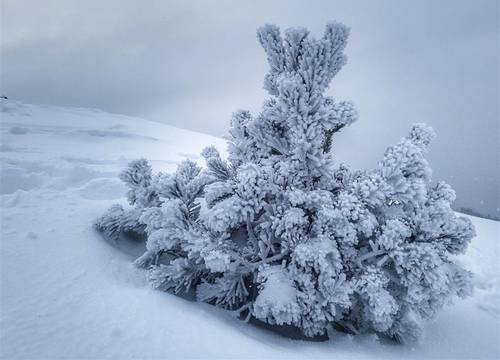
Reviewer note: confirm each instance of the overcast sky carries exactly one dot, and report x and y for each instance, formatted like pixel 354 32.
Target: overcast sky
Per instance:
pixel 192 63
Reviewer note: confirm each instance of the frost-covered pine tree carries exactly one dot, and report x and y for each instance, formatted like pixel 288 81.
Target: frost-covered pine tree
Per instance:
pixel 282 233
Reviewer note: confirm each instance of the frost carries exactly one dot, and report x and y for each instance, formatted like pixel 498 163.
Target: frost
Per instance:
pixel 277 299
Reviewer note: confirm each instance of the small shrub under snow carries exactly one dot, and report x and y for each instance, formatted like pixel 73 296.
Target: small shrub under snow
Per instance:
pixel 281 232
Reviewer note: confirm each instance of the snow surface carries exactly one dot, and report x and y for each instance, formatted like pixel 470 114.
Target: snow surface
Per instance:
pixel 66 293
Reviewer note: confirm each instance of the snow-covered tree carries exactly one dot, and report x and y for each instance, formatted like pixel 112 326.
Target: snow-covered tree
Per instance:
pixel 281 232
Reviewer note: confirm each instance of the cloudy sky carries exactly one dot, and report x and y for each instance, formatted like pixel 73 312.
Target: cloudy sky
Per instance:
pixel 192 63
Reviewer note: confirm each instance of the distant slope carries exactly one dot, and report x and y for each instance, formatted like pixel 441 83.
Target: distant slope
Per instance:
pixel 66 293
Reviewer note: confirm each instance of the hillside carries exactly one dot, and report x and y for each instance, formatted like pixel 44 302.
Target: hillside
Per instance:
pixel 66 293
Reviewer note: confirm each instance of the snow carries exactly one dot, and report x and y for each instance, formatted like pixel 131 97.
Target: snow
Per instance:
pixel 66 293
pixel 278 297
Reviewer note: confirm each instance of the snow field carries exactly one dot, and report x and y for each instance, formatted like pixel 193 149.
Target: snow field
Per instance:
pixel 66 293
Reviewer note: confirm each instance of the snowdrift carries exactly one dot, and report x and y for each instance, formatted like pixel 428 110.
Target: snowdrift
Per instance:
pixel 67 293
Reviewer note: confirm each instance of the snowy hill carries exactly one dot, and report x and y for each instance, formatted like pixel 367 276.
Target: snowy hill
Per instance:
pixel 66 293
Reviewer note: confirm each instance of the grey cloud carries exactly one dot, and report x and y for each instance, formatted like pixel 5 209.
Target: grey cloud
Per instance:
pixel 192 63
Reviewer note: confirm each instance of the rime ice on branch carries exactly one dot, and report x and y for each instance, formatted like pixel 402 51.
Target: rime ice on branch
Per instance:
pixel 280 232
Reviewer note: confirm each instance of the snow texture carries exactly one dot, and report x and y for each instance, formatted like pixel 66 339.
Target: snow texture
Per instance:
pixel 65 293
